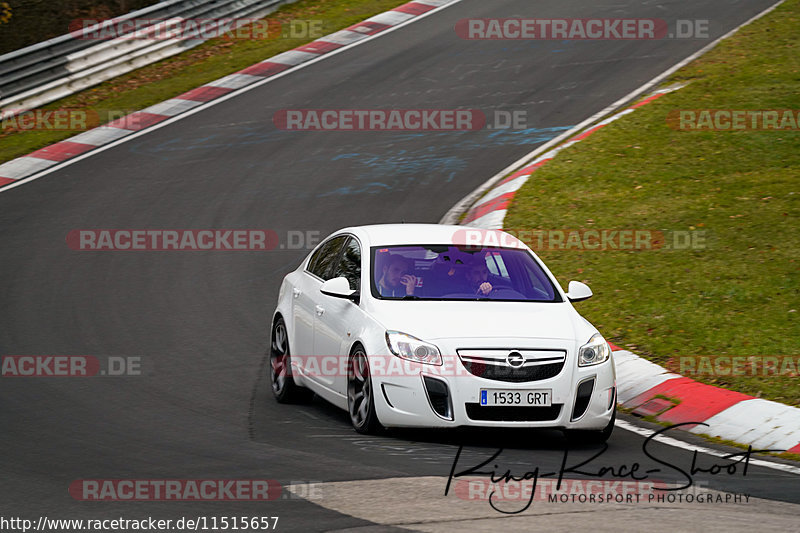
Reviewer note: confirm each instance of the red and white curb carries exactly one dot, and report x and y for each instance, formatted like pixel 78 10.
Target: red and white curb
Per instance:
pixel 54 154
pixel 645 387
pixel 651 390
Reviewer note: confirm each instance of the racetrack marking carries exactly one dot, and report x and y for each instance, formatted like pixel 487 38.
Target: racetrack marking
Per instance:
pixel 670 441
pixel 309 415
pixel 201 97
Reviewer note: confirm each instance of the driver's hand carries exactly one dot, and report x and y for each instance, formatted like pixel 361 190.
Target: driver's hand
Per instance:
pixel 485 288
pixel 410 282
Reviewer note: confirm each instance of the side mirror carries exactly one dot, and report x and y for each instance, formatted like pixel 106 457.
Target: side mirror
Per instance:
pixel 339 288
pixel 578 291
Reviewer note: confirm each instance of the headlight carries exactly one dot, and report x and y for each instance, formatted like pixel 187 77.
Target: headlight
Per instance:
pixel 594 352
pixel 407 347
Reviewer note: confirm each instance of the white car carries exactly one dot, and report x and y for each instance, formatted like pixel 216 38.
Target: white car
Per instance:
pixel 425 325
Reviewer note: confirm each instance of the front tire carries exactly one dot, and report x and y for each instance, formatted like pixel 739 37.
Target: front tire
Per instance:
pixel 283 386
pixel 579 436
pixel 360 394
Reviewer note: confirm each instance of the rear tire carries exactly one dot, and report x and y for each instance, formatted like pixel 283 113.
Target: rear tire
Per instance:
pixel 283 386
pixel 360 394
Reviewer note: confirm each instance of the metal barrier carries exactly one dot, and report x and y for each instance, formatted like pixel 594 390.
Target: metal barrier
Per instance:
pixel 39 74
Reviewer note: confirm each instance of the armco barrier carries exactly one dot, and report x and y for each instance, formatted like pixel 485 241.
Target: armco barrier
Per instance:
pixel 39 74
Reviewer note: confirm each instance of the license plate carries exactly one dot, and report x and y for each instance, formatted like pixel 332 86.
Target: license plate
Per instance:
pixel 524 398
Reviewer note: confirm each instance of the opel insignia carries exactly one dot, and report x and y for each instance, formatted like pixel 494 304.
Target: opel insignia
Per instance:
pixel 424 325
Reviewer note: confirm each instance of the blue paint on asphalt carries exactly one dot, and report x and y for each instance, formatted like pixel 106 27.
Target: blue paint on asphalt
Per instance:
pixel 401 169
pixel 378 161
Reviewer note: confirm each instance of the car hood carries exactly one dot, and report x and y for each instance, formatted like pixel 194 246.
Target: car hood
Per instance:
pixel 481 319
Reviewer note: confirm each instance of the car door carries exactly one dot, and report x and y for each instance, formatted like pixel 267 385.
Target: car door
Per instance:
pixel 335 324
pixel 305 296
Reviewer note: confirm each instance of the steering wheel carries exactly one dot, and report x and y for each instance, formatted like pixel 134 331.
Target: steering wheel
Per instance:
pixel 505 293
pixel 478 292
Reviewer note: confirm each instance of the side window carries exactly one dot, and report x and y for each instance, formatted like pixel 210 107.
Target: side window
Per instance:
pixel 350 264
pixel 322 261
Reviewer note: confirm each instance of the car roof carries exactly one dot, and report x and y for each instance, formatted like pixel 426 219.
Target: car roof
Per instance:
pixel 406 234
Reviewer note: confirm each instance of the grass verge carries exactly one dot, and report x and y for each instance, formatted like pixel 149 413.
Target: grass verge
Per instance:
pixel 209 61
pixel 740 294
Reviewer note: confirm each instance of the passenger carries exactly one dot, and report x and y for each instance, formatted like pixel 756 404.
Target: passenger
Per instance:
pixel 444 276
pixel 396 282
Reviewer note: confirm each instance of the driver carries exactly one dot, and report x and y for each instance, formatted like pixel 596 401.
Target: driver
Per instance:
pixel 395 280
pixel 477 275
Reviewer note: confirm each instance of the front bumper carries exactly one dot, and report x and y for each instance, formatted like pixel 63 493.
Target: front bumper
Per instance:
pixel 449 396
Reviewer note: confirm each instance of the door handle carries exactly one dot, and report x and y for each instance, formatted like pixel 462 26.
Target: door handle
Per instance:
pixel 296 292
pixel 320 310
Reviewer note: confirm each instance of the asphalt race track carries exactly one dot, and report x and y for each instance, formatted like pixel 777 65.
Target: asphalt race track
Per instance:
pixel 200 320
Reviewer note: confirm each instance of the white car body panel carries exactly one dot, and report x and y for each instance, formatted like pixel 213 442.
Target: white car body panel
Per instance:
pixel 402 401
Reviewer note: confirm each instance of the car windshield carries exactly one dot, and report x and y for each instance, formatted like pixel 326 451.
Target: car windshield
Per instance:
pixel 442 272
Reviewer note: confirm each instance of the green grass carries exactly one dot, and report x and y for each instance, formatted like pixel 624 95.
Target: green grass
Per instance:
pixel 211 60
pixel 741 294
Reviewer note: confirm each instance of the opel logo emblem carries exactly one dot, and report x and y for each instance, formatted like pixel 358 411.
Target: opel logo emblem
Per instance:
pixel 515 359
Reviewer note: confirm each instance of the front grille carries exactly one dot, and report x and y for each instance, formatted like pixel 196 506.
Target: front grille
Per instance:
pixel 492 364
pixel 476 411
pixel 514 375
